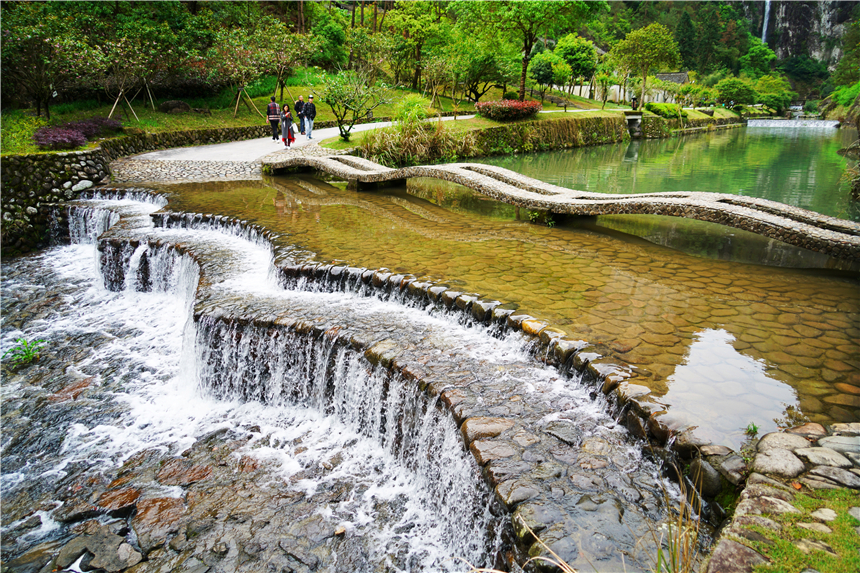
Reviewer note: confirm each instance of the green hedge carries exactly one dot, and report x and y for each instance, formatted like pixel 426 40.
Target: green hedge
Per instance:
pixel 667 110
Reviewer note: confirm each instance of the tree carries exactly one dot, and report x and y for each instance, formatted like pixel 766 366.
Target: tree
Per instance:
pixel 736 90
pixel 415 22
pixel 540 70
pixel 848 69
pixel 238 57
pixel 685 34
pixel 604 80
pixel 580 54
pixel 757 61
pixel 351 97
pixel 645 49
pixel 526 19
pixel 774 92
pixel 709 37
pixel 41 53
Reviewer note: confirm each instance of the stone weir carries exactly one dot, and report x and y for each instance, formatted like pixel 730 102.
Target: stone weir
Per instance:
pixel 835 237
pixel 553 457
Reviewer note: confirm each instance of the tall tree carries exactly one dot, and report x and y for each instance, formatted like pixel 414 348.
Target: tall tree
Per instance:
pixel 685 34
pixel 528 20
pixel 645 49
pixel 579 53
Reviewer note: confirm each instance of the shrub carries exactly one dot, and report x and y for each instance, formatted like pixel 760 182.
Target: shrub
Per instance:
pixel 412 108
pixel 846 95
pixel 511 95
pixel 508 109
pixel 95 126
pixel 58 137
pixel 415 143
pixel 74 134
pixel 667 110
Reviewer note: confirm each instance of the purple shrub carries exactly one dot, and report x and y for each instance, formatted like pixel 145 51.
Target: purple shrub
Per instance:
pixel 74 134
pixel 95 126
pixel 58 137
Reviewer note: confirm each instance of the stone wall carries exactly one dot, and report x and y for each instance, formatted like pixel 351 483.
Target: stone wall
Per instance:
pixel 30 182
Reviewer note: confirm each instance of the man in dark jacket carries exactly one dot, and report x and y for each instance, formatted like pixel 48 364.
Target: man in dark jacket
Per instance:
pixel 309 112
pixel 300 104
pixel 273 114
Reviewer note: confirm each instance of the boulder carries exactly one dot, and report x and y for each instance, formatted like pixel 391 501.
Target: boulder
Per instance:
pixel 732 557
pixel 778 462
pixel 174 106
pixel 780 441
pixel 705 477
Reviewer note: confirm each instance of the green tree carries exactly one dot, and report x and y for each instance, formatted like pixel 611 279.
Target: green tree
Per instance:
pixel 527 20
pixel 757 61
pixel 848 69
pixel 580 54
pixel 736 90
pixel 709 29
pixel 417 25
pixel 685 34
pixel 42 53
pixel 332 37
pixel 646 49
pixel 774 92
pixel 540 69
pixel 351 97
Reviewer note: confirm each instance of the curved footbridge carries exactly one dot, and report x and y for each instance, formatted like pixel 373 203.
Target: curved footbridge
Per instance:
pixel 835 237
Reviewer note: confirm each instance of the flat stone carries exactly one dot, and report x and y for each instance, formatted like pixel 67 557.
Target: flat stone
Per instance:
pixel 842 444
pixel 515 491
pixel 732 557
pixel 810 545
pixel 486 450
pixel 811 429
pixel 778 462
pixel 764 505
pixel 760 490
pixel 817 527
pixel 119 499
pixel 155 519
pixel 850 429
pixel 484 427
pixel 838 475
pixel 818 483
pixel 757 478
pixel 747 520
pixel 824 514
pixel 855 513
pixel 565 431
pixel 705 477
pixel 715 450
pixel 732 468
pixel 780 441
pixel 178 471
pixel 823 457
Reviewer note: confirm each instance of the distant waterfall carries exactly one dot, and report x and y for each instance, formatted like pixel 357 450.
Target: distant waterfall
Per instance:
pixel 764 25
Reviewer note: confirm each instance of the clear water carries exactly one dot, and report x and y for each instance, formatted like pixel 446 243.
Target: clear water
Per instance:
pixel 788 339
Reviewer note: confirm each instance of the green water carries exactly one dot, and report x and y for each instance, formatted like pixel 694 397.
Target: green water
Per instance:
pixel 720 343
pixel 798 167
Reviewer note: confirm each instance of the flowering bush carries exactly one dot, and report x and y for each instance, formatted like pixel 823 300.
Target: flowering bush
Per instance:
pixel 74 134
pixel 508 109
pixel 58 137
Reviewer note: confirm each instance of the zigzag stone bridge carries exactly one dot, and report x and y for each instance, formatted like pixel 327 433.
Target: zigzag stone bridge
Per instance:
pixel 799 227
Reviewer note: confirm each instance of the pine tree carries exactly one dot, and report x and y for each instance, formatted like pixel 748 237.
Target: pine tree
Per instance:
pixel 686 36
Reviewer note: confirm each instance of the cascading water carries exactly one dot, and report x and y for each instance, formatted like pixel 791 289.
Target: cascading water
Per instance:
pixel 764 23
pixel 255 432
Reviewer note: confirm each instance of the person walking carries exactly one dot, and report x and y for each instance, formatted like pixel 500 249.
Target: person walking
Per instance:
pixel 287 126
pixel 273 114
pixel 299 105
pixel 310 112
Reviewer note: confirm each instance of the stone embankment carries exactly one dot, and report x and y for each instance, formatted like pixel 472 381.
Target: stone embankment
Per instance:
pixel 835 237
pixel 783 465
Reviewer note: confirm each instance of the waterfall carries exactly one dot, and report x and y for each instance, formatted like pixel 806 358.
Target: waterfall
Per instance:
pixel 764 24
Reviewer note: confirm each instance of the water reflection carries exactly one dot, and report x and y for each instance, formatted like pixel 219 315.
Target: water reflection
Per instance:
pixel 714 371
pixel 644 304
pixel 797 167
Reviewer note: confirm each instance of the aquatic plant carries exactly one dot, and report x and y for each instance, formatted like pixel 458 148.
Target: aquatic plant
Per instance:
pixel 751 429
pixel 25 352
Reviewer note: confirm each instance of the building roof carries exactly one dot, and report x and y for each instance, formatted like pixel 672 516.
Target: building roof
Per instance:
pixel 676 77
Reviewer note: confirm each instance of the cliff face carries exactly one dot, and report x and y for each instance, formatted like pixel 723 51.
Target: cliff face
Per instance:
pixel 797 28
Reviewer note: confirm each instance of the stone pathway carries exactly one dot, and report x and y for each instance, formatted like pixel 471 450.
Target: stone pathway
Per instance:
pixel 806 458
pixel 835 237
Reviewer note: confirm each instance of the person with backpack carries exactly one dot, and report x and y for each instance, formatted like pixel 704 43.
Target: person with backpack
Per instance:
pixel 299 105
pixel 309 112
pixel 273 114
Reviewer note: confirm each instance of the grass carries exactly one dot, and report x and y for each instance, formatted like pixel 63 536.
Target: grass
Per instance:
pixel 844 539
pixel 25 352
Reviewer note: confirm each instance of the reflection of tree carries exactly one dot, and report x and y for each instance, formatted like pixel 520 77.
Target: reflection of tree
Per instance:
pixel 791 418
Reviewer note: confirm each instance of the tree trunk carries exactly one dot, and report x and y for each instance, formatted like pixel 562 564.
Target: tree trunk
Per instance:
pixel 375 11
pixel 362 13
pixel 523 77
pixel 353 14
pixel 301 24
